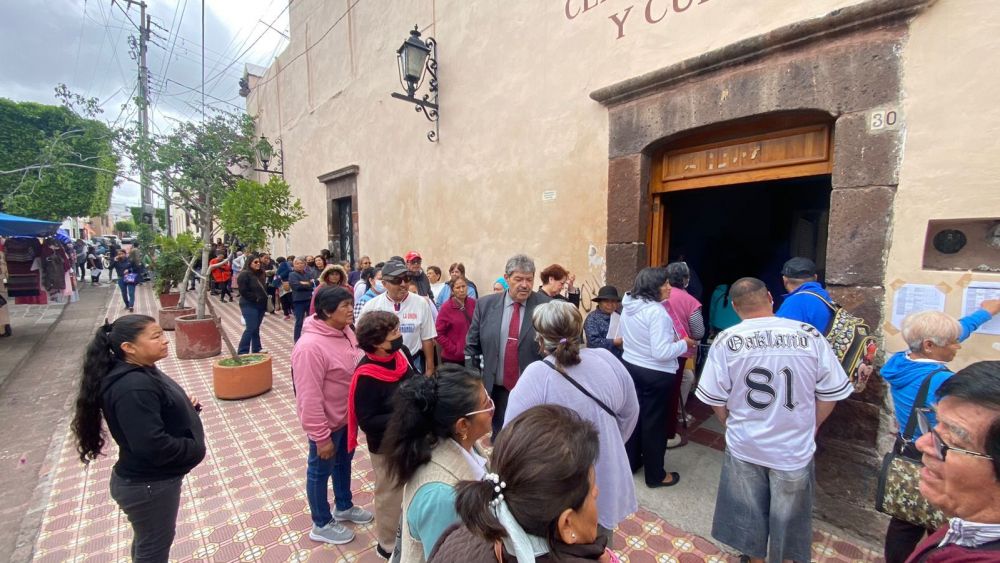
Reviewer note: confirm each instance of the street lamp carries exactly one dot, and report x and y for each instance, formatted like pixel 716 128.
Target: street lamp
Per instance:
pixel 265 153
pixel 417 58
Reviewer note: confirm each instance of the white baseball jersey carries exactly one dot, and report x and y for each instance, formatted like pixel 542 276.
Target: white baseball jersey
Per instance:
pixel 769 372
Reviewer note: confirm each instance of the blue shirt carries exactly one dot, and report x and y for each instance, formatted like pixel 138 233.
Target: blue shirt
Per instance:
pixel 905 374
pixel 800 306
pixel 596 328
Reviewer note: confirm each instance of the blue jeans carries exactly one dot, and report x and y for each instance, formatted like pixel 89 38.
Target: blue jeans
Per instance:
pixel 128 292
pixel 765 512
pixel 318 474
pixel 301 310
pixel 253 315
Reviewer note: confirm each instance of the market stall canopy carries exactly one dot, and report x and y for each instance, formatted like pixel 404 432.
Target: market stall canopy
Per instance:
pixel 14 226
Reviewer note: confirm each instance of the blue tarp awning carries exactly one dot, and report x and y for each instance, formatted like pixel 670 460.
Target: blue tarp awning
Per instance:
pixel 14 226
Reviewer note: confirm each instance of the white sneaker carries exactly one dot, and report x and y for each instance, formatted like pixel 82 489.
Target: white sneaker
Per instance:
pixel 354 514
pixel 331 533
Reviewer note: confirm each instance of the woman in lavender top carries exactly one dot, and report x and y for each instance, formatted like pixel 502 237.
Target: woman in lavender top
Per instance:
pixel 559 326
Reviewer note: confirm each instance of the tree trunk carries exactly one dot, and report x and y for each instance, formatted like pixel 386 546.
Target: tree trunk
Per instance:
pixel 184 282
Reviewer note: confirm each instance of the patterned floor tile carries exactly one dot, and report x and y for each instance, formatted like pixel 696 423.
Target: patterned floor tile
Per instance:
pixel 246 501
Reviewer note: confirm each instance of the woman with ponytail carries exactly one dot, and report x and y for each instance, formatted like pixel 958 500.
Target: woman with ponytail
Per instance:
pixel 153 421
pixel 541 501
pixel 595 384
pixel 429 447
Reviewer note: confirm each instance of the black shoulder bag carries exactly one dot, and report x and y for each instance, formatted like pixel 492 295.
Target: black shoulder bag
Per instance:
pixel 898 492
pixel 563 373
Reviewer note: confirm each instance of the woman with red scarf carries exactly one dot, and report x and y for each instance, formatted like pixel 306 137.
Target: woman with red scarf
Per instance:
pixel 384 366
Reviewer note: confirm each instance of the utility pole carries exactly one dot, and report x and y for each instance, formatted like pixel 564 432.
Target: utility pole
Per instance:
pixel 146 192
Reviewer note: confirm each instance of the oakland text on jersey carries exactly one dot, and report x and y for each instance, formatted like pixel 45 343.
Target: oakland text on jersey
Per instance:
pixel 762 339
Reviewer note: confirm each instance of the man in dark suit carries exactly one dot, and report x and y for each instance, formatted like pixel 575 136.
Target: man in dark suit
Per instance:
pixel 502 333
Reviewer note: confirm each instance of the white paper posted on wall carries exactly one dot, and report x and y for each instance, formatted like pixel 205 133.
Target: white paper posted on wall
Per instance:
pixel 976 293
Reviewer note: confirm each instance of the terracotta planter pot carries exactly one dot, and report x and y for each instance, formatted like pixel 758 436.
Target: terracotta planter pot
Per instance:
pixel 241 382
pixel 197 338
pixel 169 299
pixel 168 316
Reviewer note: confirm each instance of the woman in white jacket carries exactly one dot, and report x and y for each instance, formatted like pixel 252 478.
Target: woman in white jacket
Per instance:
pixel 651 348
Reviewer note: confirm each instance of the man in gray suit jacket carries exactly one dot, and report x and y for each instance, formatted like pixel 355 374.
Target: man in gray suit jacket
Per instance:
pixel 502 333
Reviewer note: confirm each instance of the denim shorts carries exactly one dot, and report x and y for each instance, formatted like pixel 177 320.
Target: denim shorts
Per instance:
pixel 757 504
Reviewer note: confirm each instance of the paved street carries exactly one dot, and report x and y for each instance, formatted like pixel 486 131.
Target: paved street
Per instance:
pixel 246 501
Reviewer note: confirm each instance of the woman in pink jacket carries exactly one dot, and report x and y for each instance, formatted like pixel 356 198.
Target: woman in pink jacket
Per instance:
pixel 323 363
pixel 453 322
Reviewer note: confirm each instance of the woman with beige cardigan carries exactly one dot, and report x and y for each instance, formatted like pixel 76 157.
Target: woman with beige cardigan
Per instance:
pixel 429 447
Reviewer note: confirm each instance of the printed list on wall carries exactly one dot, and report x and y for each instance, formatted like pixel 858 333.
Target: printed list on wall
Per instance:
pixel 630 14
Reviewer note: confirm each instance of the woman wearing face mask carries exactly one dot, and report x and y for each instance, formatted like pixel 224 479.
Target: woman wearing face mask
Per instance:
pixel 376 288
pixel 540 502
pixel 382 369
pixel 153 421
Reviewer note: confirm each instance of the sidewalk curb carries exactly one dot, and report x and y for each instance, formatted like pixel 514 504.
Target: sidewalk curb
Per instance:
pixel 31 523
pixel 38 341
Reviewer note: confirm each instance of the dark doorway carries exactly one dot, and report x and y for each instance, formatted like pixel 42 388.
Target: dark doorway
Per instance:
pixel 340 214
pixel 748 230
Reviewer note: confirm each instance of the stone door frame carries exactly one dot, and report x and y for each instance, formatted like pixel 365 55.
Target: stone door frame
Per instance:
pixel 844 65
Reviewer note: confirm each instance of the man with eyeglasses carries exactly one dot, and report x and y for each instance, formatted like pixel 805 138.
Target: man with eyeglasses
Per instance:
pixel 961 475
pixel 933 339
pixel 416 321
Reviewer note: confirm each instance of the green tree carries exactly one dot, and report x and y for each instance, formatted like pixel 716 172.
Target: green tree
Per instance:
pixel 32 133
pixel 254 212
pixel 194 161
pixel 161 216
pixel 124 226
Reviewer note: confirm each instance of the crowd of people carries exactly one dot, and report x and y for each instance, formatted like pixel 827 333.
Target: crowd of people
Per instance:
pixel 433 374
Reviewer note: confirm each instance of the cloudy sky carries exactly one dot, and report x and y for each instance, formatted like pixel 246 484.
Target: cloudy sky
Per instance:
pixel 85 44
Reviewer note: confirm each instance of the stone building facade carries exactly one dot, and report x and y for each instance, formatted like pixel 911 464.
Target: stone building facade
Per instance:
pixel 608 135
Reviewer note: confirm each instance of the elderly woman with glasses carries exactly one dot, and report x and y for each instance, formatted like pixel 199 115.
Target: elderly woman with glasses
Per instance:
pixel 933 340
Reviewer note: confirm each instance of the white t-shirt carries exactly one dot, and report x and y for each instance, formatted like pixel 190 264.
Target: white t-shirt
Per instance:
pixel 769 372
pixel 416 321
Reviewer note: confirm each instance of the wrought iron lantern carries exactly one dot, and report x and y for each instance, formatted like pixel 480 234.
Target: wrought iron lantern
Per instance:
pixel 265 154
pixel 416 59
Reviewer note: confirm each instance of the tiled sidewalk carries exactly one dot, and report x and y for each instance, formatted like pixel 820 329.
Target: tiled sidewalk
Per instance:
pixel 246 501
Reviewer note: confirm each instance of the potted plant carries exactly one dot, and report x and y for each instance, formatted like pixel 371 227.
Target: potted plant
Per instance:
pixel 201 163
pixel 174 258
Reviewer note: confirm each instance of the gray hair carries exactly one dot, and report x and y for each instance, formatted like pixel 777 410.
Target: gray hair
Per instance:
pixel 559 327
pixel 939 328
pixel 298 260
pixel 519 263
pixel 678 274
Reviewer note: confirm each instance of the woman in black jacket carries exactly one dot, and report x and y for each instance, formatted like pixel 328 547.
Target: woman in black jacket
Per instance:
pixel 253 304
pixel 153 421
pixel 381 370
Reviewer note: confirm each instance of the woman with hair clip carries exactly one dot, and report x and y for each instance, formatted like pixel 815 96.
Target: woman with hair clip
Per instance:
pixel 429 447
pixel 383 368
pixel 153 421
pixel 539 504
pixel 593 383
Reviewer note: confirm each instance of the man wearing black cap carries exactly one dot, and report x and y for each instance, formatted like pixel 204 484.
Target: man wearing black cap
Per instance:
pixel 798 275
pixel 416 321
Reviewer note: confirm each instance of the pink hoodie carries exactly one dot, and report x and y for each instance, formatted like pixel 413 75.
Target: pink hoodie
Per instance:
pixel 323 363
